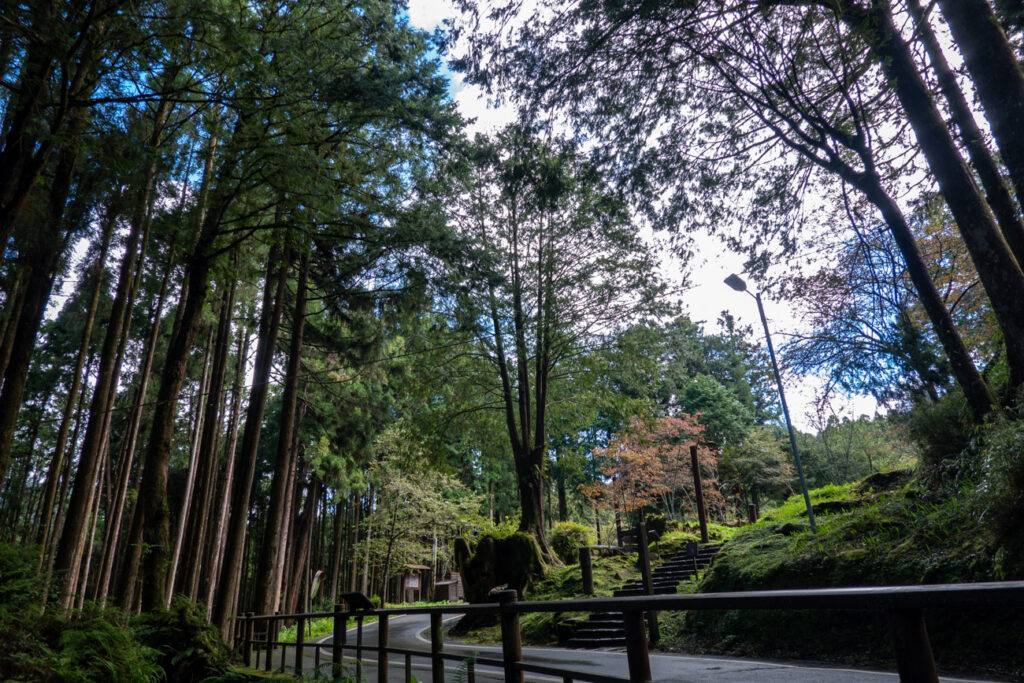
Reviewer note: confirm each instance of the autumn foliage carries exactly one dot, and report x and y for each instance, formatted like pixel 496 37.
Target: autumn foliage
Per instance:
pixel 649 463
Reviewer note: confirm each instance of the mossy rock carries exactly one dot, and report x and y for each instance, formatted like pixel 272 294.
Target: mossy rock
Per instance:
pixel 828 507
pixel 883 481
pixel 513 562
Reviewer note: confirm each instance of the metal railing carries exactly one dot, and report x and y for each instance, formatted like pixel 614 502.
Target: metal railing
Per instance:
pixel 904 606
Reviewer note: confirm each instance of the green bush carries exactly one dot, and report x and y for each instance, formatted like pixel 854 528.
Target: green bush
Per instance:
pixel 190 648
pixel 658 523
pixel 943 431
pixel 1000 498
pixel 100 645
pixel 567 538
pixel 89 645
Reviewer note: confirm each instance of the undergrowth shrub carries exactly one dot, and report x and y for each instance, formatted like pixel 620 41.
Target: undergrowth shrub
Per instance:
pixel 567 538
pixel 92 644
pixel 190 648
pixel 1000 495
pixel 943 431
pixel 100 645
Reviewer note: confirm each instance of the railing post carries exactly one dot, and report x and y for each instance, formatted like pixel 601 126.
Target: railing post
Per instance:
pixel 247 630
pixel 914 659
pixel 698 490
pixel 645 573
pixel 587 569
pixel 300 642
pixel 277 622
pixel 382 648
pixel 436 647
pixel 636 647
pixel 338 641
pixel 408 668
pixel 270 644
pixel 359 647
pixel 511 638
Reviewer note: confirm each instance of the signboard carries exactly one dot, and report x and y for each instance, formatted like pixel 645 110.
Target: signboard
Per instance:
pixel 412 581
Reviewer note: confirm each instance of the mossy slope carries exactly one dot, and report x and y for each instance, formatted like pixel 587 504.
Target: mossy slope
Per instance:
pixel 881 532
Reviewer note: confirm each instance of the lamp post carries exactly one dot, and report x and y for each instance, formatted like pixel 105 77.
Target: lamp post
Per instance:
pixel 737 283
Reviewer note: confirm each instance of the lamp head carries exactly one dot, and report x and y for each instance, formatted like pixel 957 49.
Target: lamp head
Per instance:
pixel 736 282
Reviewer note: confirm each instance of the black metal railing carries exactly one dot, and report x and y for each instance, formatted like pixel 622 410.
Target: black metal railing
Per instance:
pixel 904 606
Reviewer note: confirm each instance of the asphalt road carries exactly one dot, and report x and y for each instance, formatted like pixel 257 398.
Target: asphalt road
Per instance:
pixel 410 632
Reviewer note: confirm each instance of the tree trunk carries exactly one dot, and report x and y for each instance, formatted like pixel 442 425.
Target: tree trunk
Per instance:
pixel 999 272
pixel 303 534
pixel 215 549
pixel 202 399
pixel 997 77
pixel 337 549
pixel 267 573
pixel 69 549
pixel 40 252
pixel 997 193
pixel 127 460
pixel 270 320
pixel 57 460
pixel 563 506
pixel 206 475
pixel 357 511
pixel 365 585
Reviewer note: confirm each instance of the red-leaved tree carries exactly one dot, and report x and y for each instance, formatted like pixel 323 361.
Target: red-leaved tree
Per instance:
pixel 649 463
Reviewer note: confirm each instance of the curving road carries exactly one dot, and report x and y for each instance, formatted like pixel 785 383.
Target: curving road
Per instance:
pixel 410 632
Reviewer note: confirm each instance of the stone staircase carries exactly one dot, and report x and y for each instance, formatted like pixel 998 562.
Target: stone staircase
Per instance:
pixel 605 629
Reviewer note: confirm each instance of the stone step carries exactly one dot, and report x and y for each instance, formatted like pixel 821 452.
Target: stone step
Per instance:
pixel 595 643
pixel 606 629
pixel 605 616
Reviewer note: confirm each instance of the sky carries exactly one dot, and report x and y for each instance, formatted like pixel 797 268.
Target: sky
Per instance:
pixel 712 261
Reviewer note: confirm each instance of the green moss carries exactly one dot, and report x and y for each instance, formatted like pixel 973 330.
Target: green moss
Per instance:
pixel 881 532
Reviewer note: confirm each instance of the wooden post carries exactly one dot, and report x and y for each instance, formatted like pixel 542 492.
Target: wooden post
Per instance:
pixel 408 668
pixel 247 644
pixel 271 623
pixel 436 647
pixel 511 638
pixel 751 513
pixel 698 489
pixel 300 642
pixel 587 569
pixel 338 642
pixel 359 647
pixel 914 659
pixel 636 647
pixel 645 574
pixel 382 648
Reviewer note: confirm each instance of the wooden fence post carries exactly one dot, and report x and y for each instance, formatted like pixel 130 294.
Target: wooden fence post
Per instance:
pixel 338 642
pixel 636 647
pixel 511 638
pixel 751 513
pixel 359 647
pixel 382 648
pixel 645 573
pixel 277 625
pixel 587 569
pixel 271 623
pixel 436 647
pixel 698 491
pixel 300 642
pixel 914 659
pixel 247 630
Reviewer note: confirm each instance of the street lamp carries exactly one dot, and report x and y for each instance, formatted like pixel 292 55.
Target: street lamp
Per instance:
pixel 737 283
